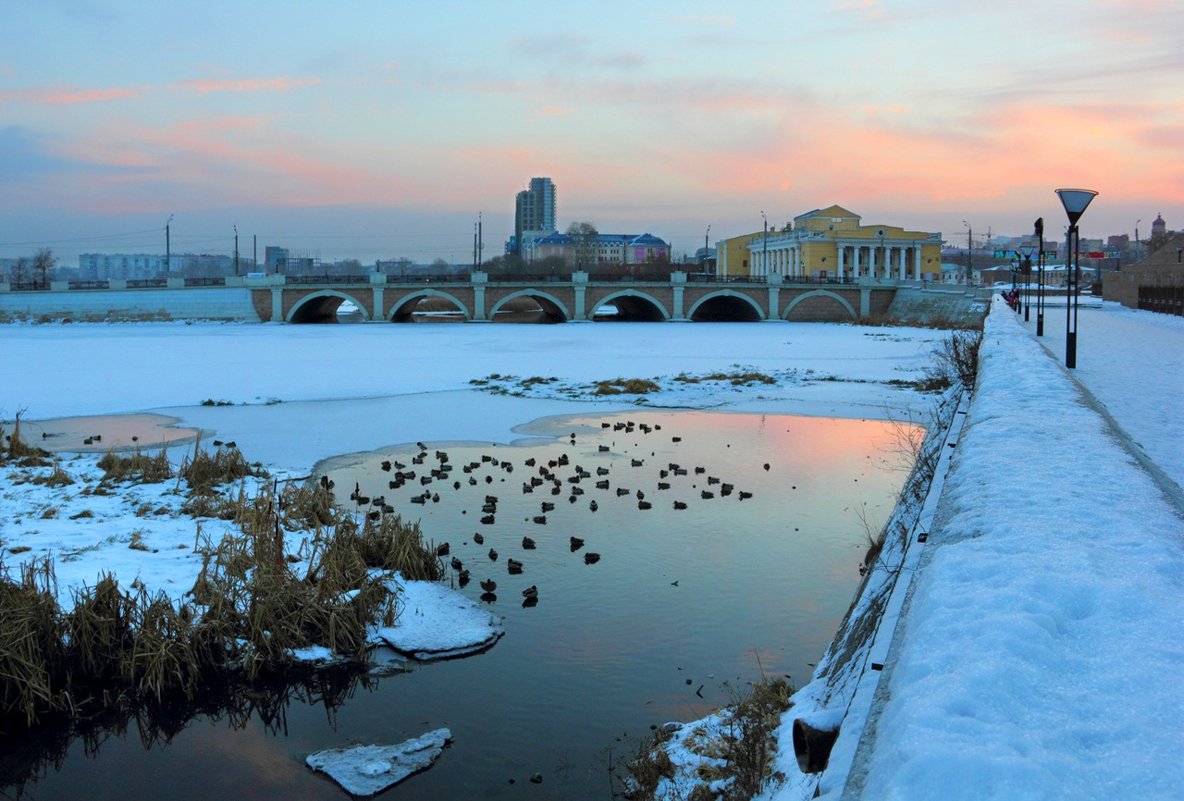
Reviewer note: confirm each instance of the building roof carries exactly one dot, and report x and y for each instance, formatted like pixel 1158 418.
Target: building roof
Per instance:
pixel 830 211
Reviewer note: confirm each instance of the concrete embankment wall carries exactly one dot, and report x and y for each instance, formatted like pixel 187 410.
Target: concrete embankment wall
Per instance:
pixel 191 303
pixel 939 303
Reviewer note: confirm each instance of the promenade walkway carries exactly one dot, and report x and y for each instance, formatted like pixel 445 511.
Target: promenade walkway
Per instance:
pixel 1039 651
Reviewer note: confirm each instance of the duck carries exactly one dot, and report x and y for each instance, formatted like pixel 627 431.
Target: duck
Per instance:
pixel 492 555
pixel 442 550
pixel 528 543
pixel 514 566
pixel 457 564
pixel 576 544
pixel 478 538
pixel 591 558
pixel 489 585
pixel 531 592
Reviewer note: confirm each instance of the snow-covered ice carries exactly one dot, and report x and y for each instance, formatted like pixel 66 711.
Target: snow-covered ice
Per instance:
pixel 438 623
pixel 363 770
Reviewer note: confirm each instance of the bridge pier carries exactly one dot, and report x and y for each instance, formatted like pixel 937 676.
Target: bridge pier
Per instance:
pixel 479 280
pixel 579 283
pixel 277 304
pixel 774 280
pixel 678 281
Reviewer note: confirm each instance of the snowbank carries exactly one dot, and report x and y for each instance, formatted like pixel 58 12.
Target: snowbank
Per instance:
pixel 369 769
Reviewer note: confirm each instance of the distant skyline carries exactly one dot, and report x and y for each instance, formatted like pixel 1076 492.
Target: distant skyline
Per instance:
pixel 380 129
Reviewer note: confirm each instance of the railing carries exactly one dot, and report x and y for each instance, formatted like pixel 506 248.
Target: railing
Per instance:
pixel 1162 299
pixel 327 279
pixel 88 285
pixel 449 278
pixel 145 283
pixel 27 285
pixel 214 281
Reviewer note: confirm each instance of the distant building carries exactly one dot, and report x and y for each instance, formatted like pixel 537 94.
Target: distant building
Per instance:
pixel 1159 227
pixel 832 243
pixel 609 249
pixel 535 213
pixel 133 266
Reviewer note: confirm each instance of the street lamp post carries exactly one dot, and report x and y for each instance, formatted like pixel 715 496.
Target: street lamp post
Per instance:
pixel 969 252
pixel 1025 251
pixel 1075 202
pixel 1038 229
pixel 765 255
pixel 168 249
pixel 706 248
pixel 236 251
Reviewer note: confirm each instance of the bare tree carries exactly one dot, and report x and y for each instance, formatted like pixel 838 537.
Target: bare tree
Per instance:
pixel 584 239
pixel 43 262
pixel 18 271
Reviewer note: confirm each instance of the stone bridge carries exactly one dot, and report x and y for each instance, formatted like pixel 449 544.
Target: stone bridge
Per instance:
pixel 473 298
pixel 477 299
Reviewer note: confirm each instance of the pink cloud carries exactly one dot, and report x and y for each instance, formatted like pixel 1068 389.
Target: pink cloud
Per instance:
pixel 64 95
pixel 284 84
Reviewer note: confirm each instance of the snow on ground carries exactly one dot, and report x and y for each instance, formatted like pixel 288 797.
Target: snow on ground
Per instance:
pixel 1133 363
pixel 1039 655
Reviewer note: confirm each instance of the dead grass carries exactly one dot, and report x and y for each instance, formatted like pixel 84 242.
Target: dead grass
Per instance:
pixel 252 605
pixel 746 748
pixel 137 467
pixel 625 386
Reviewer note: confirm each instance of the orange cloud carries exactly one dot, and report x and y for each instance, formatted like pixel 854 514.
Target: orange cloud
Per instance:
pixel 284 84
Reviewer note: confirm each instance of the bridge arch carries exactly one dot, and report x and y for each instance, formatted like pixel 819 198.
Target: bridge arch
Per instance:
pixel 741 306
pixel 809 299
pixel 400 311
pixel 635 304
pixel 320 306
pixel 554 310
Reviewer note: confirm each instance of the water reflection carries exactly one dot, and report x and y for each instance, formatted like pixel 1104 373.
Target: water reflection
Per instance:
pixel 681 601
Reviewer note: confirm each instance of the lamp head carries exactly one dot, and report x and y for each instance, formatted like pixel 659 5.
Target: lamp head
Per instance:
pixel 1075 202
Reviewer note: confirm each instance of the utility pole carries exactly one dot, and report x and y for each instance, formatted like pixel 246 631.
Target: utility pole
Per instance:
pixel 255 251
pixel 167 246
pixel 480 241
pixel 706 247
pixel 474 246
pixel 236 250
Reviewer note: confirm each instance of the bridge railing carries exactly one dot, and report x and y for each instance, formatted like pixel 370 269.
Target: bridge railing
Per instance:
pixel 89 284
pixel 218 280
pixel 327 279
pixel 450 278
pixel 145 283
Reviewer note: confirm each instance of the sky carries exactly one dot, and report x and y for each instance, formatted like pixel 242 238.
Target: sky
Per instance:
pixel 382 129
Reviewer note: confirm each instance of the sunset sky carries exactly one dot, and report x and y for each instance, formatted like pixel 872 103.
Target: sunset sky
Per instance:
pixel 380 129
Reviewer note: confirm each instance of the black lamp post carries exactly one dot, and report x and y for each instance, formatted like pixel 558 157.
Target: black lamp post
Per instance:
pixel 1075 202
pixel 1025 251
pixel 1038 229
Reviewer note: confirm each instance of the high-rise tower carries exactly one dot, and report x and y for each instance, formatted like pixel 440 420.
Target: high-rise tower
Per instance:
pixel 534 212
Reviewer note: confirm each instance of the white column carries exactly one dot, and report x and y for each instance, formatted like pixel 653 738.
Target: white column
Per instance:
pixel 857 249
pixel 917 262
pixel 871 261
pixel 797 260
pixel 839 259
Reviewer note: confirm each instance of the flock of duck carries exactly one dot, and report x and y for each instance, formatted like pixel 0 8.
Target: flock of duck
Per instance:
pixel 431 472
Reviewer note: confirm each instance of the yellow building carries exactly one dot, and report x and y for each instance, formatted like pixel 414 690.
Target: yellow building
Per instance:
pixel 831 244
